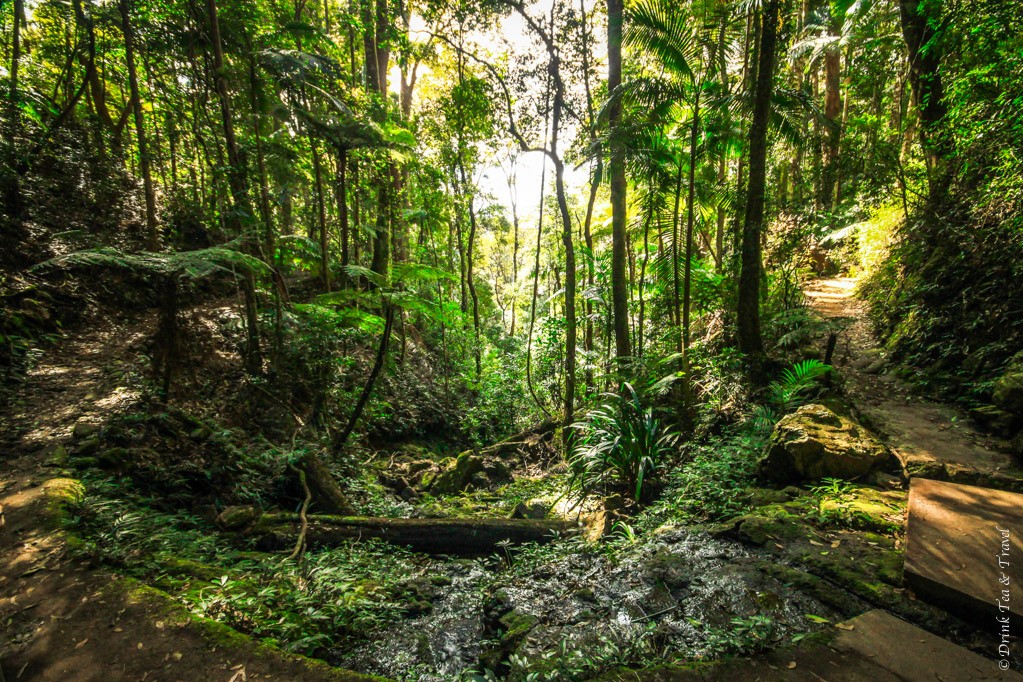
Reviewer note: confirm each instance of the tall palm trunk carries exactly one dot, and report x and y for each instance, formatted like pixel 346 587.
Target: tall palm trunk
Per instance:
pixel 690 219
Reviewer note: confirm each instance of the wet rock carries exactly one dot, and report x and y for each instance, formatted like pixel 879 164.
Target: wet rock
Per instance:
pixel 814 443
pixel 759 530
pixel 83 430
pixel 238 517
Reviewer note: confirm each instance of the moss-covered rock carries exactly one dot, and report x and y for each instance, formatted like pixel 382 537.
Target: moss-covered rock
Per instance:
pixel 86 448
pixel 238 517
pixel 468 470
pixel 760 530
pixel 865 509
pixel 83 430
pixel 814 443
pixel 114 458
pixel 1008 389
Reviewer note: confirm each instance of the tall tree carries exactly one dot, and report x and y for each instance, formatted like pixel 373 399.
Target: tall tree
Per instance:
pixel 919 21
pixel 11 181
pixel 619 237
pixel 238 182
pixel 152 225
pixel 750 341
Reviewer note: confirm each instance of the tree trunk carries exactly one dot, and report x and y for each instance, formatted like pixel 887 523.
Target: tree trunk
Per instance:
pixel 690 219
pixel 152 227
pixel 321 214
pixel 341 185
pixel 619 283
pixel 327 496
pixel 239 190
pixel 468 198
pixel 463 537
pixel 833 127
pixel 12 185
pixel 750 342
pixel 928 89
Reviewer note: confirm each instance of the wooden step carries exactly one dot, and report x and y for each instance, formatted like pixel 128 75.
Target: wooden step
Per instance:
pixel 964 549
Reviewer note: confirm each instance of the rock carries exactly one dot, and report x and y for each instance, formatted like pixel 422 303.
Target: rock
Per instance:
pixel 86 448
pixel 83 463
pixel 56 456
pixel 238 517
pixel 468 470
pixel 761 497
pixel 876 367
pixel 995 419
pixel 814 443
pixel 533 509
pixel 84 430
pixel 1008 392
pixel 113 458
pixel 759 530
pixel 200 433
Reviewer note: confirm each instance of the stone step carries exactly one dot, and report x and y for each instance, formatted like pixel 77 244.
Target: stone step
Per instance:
pixel 964 549
pixel 873 647
pixel 915 655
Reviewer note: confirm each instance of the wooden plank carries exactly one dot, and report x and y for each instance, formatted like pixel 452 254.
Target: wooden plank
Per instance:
pixel 964 547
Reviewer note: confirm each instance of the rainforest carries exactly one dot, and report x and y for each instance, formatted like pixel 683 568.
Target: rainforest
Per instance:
pixel 525 340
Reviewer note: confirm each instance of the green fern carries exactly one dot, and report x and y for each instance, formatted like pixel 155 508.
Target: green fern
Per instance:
pixel 789 392
pixel 186 264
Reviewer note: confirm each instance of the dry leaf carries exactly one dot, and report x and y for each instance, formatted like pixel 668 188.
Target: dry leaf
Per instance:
pixel 792 664
pixel 82 643
pixel 845 626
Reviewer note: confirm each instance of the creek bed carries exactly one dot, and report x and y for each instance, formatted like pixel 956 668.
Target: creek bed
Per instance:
pixel 574 608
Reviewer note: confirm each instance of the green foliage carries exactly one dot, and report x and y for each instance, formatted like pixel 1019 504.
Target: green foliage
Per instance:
pixel 711 485
pixel 744 637
pixel 333 596
pixel 790 390
pixel 186 264
pixel 619 443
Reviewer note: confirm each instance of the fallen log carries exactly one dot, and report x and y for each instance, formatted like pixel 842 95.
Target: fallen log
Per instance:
pixel 458 536
pixel 520 442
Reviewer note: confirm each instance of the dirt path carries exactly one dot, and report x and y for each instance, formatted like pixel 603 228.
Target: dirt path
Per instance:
pixel 932 439
pixel 59 618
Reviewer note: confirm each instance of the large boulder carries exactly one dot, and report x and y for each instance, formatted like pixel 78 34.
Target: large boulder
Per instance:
pixel 814 443
pixel 469 471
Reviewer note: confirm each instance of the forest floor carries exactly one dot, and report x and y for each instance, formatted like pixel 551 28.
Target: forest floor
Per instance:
pixel 66 619
pixel 932 439
pixel 61 618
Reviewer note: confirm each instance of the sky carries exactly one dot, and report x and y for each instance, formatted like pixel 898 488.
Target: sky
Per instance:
pixel 492 179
